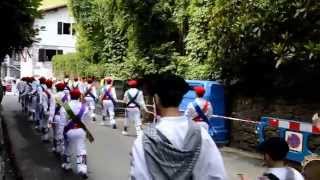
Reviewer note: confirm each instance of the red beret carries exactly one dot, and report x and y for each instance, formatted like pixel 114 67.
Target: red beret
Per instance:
pixel 29 79
pixel 90 81
pixel 108 80
pixel 60 86
pixel 49 83
pixel 199 90
pixel 42 80
pixel 132 83
pixel 75 94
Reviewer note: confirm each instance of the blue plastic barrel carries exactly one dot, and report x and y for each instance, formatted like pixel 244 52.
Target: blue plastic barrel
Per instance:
pixel 218 128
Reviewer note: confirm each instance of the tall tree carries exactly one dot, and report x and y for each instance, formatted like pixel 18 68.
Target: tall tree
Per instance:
pixel 17 17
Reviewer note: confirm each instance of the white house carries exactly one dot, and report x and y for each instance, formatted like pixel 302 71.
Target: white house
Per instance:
pixel 56 36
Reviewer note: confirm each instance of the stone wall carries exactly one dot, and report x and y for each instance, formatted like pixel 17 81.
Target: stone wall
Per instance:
pixel 243 135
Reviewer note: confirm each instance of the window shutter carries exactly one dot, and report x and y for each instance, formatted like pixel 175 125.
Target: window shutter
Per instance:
pixel 59 27
pixel 42 55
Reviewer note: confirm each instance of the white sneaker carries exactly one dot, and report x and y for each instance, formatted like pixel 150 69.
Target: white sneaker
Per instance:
pixel 66 166
pixel 125 133
pixel 53 150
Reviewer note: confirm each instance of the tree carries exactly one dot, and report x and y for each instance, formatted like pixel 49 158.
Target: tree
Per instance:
pixel 17 17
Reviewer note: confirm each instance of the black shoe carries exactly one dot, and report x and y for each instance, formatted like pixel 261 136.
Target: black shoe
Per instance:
pixel 114 126
pixel 83 175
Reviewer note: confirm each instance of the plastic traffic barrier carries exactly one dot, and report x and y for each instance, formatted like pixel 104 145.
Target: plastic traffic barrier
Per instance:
pixel 218 128
pixel 296 134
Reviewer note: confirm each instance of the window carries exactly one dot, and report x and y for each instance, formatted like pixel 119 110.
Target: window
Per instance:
pixel 47 54
pixel 65 28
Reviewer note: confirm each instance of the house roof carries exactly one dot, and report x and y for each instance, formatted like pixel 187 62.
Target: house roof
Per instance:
pixel 49 5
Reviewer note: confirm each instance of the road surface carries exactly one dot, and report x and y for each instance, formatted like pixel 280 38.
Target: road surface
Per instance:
pixel 108 156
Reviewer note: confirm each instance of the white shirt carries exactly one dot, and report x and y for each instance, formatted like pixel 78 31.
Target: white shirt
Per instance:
pixel 112 93
pixel 93 90
pixel 209 165
pixel 58 95
pixel 139 99
pixel 191 113
pixel 75 106
pixel 46 101
pixel 282 173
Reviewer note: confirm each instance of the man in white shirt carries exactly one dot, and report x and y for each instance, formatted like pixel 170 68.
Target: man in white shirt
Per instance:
pixel 200 110
pixel 175 148
pixel 57 118
pixel 134 100
pixel 108 98
pixel 90 96
pixel 75 133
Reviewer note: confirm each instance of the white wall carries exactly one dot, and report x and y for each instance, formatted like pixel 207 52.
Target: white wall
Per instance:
pixel 50 36
pixel 48 39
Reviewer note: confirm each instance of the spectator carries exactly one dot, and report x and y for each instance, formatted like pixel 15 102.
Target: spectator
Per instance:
pixel 174 148
pixel 274 152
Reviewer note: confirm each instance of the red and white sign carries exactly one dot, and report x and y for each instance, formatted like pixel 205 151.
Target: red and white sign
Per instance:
pixel 294 126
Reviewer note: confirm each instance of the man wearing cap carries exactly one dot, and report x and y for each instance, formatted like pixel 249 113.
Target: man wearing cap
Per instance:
pixel 90 96
pixel 108 98
pixel 174 147
pixel 35 98
pixel 200 110
pixel 48 107
pixel 135 102
pixel 57 118
pixel 40 116
pixel 75 83
pixel 26 94
pixel 75 133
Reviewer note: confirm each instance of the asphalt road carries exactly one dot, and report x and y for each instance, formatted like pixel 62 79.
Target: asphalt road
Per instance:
pixel 108 156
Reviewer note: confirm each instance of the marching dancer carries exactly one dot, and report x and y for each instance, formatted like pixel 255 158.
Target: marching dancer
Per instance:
pixel 135 102
pixel 48 107
pixel 90 97
pixel 75 133
pixel 57 118
pixel 109 99
pixel 200 110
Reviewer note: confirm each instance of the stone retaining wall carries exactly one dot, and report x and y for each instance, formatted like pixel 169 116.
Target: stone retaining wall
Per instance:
pixel 243 135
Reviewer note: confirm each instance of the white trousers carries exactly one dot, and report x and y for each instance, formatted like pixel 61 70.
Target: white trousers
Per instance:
pixel 133 114
pixel 76 145
pixel 33 104
pixel 92 106
pixel 108 109
pixel 58 127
